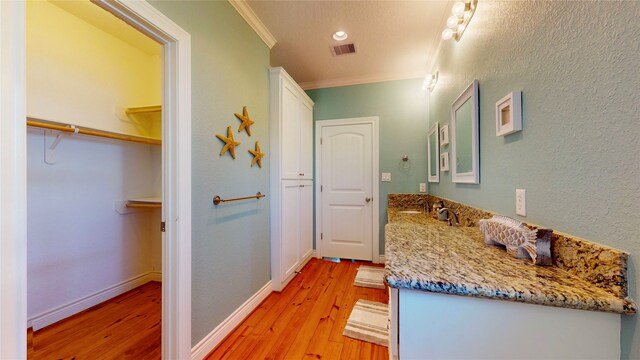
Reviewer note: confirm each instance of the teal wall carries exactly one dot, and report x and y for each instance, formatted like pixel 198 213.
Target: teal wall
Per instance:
pixel 403 114
pixel 578 156
pixel 230 242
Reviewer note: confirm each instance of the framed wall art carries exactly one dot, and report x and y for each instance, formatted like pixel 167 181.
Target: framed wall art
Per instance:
pixel 444 135
pixel 444 161
pixel 509 114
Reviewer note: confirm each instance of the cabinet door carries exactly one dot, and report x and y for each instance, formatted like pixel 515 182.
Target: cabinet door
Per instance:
pixel 306 219
pixel 289 242
pixel 306 140
pixel 290 133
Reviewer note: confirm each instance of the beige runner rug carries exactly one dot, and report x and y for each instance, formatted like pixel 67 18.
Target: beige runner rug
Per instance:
pixel 371 277
pixel 369 321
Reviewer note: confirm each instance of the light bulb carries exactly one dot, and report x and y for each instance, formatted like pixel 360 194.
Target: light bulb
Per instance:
pixel 459 8
pixel 340 35
pixel 447 34
pixel 453 21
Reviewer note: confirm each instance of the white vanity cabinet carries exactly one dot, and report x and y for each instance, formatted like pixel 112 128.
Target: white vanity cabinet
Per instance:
pixel 291 161
pixel 427 325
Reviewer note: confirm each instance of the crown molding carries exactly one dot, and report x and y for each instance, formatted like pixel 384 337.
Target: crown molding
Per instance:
pixel 254 21
pixel 357 80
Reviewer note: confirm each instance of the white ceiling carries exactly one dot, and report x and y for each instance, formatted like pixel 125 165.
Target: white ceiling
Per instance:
pixel 394 39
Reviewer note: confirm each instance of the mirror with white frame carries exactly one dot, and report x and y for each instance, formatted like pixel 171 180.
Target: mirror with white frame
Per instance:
pixel 433 154
pixel 464 137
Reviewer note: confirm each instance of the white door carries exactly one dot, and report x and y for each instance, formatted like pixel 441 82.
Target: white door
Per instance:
pixel 306 141
pixel 290 225
pixel 347 200
pixel 290 133
pixel 306 219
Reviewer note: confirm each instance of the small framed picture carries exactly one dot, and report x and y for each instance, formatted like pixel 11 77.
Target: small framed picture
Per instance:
pixel 509 114
pixel 444 135
pixel 444 161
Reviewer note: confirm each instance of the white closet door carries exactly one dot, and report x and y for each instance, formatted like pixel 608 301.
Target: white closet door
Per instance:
pixel 306 140
pixel 290 130
pixel 306 219
pixel 289 246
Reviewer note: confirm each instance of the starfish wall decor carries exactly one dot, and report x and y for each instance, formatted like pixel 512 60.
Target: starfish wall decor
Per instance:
pixel 246 121
pixel 257 155
pixel 229 143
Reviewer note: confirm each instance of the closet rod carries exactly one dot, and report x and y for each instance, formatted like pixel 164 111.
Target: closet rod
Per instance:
pixel 86 131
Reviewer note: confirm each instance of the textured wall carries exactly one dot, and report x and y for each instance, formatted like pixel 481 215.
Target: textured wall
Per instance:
pixel 230 242
pixel 578 156
pixel 402 109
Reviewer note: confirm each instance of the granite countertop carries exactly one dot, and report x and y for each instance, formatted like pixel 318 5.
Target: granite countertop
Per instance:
pixel 425 254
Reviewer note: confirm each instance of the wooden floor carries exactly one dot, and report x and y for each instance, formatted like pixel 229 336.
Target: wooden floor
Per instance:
pixel 125 327
pixel 306 320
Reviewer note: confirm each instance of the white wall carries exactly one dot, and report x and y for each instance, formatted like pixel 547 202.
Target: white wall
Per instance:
pixel 81 75
pixel 79 248
pixel 77 243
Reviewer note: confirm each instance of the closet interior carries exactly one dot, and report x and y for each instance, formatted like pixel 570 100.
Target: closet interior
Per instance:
pixel 94 159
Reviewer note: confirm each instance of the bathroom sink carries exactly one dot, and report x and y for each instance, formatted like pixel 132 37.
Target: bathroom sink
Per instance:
pixel 410 212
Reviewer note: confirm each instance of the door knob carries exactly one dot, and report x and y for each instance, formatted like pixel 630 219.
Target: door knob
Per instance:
pixel 367 199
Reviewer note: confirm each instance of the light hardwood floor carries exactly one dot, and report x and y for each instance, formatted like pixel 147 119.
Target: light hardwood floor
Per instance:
pixel 306 320
pixel 125 327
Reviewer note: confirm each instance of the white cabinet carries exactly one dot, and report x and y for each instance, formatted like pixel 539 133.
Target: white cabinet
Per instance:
pixel 426 325
pixel 306 141
pixel 290 225
pixel 291 133
pixel 292 125
pixel 296 240
pixel 306 219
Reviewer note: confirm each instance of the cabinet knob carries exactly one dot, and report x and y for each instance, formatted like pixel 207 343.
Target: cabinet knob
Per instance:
pixel 367 199
pixel 301 174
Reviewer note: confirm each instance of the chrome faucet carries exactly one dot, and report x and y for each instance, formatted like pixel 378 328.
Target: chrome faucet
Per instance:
pixel 451 220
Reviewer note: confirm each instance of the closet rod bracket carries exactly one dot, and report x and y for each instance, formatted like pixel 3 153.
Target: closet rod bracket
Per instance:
pixel 51 140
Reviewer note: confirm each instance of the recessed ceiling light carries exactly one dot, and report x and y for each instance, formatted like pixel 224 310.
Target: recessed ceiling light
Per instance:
pixel 340 35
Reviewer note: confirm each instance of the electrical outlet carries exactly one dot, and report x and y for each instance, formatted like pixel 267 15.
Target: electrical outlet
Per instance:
pixel 423 187
pixel 386 177
pixel 521 202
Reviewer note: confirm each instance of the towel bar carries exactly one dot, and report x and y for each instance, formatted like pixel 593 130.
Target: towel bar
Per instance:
pixel 217 199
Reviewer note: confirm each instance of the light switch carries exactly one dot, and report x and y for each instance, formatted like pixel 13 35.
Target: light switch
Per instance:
pixel 423 187
pixel 521 202
pixel 386 176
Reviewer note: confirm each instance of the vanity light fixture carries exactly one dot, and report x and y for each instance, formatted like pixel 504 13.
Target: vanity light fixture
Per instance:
pixel 430 81
pixel 461 14
pixel 340 35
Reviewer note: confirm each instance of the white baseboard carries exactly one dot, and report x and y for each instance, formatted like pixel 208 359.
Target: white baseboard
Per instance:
pixel 204 347
pixel 155 276
pixel 61 312
pixel 380 260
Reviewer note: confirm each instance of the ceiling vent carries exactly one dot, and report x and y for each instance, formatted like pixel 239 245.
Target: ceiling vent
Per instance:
pixel 343 49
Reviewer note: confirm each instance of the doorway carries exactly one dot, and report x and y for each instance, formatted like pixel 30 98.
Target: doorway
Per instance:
pixel 176 160
pixel 347 188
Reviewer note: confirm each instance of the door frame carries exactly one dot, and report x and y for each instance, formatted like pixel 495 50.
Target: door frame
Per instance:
pixel 375 183
pixel 176 154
